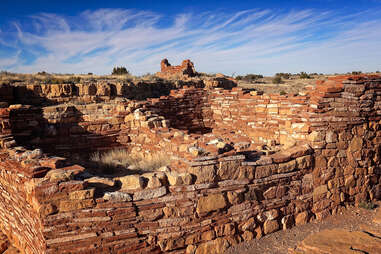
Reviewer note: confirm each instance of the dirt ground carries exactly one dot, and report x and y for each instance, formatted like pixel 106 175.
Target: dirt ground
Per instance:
pixel 279 242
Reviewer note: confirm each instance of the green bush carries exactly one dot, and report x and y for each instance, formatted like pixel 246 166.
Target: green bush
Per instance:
pixel 120 71
pixel 356 72
pixel 249 77
pixel 304 75
pixel 283 75
pixel 277 80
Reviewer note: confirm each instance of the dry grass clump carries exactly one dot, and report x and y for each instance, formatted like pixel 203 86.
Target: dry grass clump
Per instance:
pixel 122 158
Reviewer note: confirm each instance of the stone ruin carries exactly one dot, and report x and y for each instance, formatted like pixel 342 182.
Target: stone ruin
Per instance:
pixel 185 69
pixel 243 165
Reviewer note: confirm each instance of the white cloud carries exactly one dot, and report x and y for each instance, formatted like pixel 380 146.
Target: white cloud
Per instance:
pixel 261 41
pixel 9 61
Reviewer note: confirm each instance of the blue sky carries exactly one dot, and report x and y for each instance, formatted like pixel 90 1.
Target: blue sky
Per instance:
pixel 218 36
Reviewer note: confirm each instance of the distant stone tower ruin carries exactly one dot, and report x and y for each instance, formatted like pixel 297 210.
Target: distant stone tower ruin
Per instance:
pixel 186 69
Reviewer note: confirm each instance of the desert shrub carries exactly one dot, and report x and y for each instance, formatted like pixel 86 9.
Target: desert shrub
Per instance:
pixel 356 72
pixel 377 71
pixel 283 75
pixel 90 74
pixel 277 80
pixel 249 77
pixel 122 158
pixel 304 75
pixel 49 79
pixel 149 76
pixel 367 205
pixel 282 92
pixel 204 74
pixel 73 80
pixel 6 73
pixel 43 73
pixel 120 71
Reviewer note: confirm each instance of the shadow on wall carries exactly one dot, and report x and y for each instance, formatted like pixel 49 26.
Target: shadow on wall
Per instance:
pixel 61 130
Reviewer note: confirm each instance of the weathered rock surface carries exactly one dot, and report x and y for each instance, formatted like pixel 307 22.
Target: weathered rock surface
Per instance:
pixel 338 241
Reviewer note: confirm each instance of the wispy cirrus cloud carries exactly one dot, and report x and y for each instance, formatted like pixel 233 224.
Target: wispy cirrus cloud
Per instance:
pixel 262 41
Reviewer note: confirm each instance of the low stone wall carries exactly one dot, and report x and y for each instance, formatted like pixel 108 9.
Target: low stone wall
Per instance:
pixel 78 214
pixel 89 92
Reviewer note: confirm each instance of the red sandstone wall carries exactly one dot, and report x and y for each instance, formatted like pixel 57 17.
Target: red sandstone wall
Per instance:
pixel 66 129
pixel 261 117
pixel 19 218
pixel 221 199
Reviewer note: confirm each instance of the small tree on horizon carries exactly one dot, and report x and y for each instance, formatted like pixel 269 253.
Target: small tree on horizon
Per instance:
pixel 120 71
pixel 277 80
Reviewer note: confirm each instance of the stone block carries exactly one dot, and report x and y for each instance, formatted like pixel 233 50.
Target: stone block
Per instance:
pixel 72 205
pixel 210 203
pixel 219 245
pixel 304 162
pixel 131 182
pixel 350 181
pixel 356 144
pixel 149 193
pixel 270 226
pixel 301 218
pixel 331 137
pixel 117 196
pixel 82 194
pixel 319 192
pixel 316 136
pixel 265 171
pixel 287 167
pixel 204 174
pixel 174 179
pixel 249 225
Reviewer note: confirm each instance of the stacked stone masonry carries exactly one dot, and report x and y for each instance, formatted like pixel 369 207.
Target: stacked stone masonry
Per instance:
pixel 221 189
pixel 186 68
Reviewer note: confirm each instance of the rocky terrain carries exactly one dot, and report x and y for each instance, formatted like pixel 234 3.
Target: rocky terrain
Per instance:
pixel 351 230
pixel 242 164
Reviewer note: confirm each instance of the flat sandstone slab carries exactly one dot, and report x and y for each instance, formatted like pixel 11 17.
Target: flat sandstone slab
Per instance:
pixel 339 241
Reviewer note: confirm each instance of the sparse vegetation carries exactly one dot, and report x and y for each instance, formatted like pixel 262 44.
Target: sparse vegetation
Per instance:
pixel 249 77
pixel 304 75
pixel 367 205
pixel 283 75
pixel 356 72
pixel 277 80
pixel 122 158
pixel 120 71
pixel 282 92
